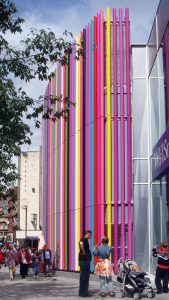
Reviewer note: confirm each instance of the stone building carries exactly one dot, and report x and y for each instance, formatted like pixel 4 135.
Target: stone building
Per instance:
pixel 29 231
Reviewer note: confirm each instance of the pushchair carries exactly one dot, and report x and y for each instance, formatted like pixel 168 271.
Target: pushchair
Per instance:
pixel 133 284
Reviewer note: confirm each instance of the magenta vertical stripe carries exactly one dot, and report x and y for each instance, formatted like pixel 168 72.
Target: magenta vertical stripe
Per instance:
pixel 87 132
pixel 98 128
pixel 74 157
pixel 46 174
pixel 115 140
pixel 102 116
pixel 70 164
pixel 81 143
pixel 122 145
pixel 166 53
pixel 48 178
pixel 129 152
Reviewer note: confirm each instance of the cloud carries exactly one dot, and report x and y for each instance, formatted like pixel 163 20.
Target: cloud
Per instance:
pixel 74 15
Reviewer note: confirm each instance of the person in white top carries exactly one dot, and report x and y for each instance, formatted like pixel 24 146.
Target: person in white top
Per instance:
pixel 46 258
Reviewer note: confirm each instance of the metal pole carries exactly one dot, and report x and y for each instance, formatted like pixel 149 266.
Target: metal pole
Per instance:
pixel 26 208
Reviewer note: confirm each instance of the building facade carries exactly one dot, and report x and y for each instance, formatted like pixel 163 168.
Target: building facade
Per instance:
pixel 87 157
pixel 3 220
pixel 8 215
pixel 29 232
pixel 98 163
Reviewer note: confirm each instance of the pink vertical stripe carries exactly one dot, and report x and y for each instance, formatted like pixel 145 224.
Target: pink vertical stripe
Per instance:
pixel 98 128
pixel 70 165
pixel 81 144
pixel 102 113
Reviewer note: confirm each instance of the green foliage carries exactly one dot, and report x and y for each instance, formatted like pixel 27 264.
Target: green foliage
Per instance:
pixel 31 61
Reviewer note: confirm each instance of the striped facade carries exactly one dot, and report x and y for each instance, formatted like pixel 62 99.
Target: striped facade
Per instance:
pixel 87 157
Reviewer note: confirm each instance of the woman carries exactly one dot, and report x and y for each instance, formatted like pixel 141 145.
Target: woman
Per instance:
pixel 162 270
pixel 24 260
pixel 35 263
pixel 11 259
pixel 104 268
pixel 1 258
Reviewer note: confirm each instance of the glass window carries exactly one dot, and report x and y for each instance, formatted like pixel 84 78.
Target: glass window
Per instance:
pixel 154 111
pixel 164 211
pixel 162 106
pixel 140 123
pixel 156 224
pixel 139 61
pixel 140 171
pixel 152 46
pixel 141 232
pixel 157 99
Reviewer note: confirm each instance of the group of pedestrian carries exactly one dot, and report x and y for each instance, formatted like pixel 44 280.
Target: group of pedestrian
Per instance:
pixel 12 255
pixel 104 267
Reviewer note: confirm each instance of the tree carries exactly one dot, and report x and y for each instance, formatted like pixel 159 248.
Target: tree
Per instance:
pixel 29 62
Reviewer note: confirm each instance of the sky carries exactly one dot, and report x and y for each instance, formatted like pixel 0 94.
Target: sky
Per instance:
pixel 74 15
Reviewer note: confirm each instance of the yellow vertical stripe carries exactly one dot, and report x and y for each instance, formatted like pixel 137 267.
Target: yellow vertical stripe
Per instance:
pixel 109 164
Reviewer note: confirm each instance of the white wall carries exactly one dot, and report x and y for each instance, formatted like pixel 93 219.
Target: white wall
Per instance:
pixel 29 193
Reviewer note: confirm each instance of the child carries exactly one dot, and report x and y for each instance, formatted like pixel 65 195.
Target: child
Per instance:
pixel 104 268
pixel 162 271
pixel 35 263
pixel 135 270
pixel 55 262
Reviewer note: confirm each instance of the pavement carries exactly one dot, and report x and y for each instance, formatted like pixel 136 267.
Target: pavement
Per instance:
pixel 63 286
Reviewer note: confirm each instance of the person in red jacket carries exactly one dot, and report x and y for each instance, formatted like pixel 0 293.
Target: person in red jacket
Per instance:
pixel 24 260
pixel 162 271
pixel 1 258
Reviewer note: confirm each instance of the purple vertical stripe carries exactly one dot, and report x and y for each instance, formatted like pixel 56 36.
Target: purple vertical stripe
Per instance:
pixel 48 168
pixel 129 152
pixel 58 164
pixel 53 169
pixel 115 140
pixel 122 144
pixel 70 166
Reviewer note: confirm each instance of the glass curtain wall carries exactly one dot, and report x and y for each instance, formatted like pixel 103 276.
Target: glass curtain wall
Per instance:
pixel 158 188
pixel 140 156
pixel 149 102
